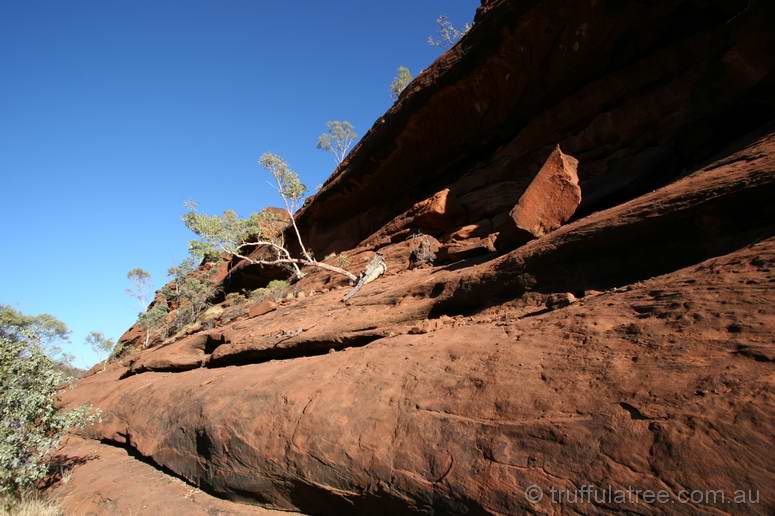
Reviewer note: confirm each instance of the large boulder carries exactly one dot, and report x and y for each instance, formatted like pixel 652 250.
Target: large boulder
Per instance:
pixel 551 198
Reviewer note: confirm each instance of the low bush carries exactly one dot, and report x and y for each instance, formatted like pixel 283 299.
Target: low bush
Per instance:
pixel 31 424
pixel 274 290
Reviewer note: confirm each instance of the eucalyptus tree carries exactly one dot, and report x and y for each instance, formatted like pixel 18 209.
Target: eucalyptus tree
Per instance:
pixel 448 33
pixel 100 344
pixel 189 290
pixel 32 423
pixel 50 333
pixel 400 82
pixel 141 286
pixel 338 140
pixel 150 318
pixel 233 235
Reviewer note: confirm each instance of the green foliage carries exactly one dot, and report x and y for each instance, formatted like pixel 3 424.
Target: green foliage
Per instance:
pixel 338 140
pixel 45 326
pixel 141 286
pixel 276 285
pixel 138 274
pixel 179 272
pixel 401 81
pixel 152 320
pixel 231 234
pixel 289 186
pixel 235 298
pixel 258 294
pixel 99 342
pixel 190 291
pixel 448 33
pixel 49 330
pixel 274 289
pixel 228 232
pixel 154 317
pixel 31 425
pixel 118 349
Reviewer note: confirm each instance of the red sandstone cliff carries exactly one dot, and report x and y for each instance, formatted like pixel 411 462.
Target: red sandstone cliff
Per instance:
pixel 595 180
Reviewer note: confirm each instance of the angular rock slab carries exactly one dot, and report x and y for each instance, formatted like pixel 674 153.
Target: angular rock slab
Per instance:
pixel 551 198
pixel 103 479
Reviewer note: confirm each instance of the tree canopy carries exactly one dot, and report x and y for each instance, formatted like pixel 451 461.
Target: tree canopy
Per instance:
pixel 448 33
pixel 340 137
pixel 401 81
pixel 140 286
pixel 231 234
pixel 45 327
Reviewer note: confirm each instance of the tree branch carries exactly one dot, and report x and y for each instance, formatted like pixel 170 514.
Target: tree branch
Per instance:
pixel 299 261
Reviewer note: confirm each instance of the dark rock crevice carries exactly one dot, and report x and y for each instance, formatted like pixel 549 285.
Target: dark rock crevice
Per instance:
pixel 712 218
pixel 703 53
pixel 301 348
pixel 135 454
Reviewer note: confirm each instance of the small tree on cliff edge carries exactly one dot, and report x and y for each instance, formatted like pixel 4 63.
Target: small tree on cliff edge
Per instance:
pixel 100 344
pixel 233 235
pixel 141 286
pixel 189 291
pixel 448 33
pixel 150 319
pixel 338 140
pixel 401 81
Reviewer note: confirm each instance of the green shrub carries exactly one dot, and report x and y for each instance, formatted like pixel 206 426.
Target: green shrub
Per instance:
pixel 235 298
pixel 31 424
pixel 277 284
pixel 189 291
pixel 274 289
pixel 152 321
pixel 117 350
pixel 258 294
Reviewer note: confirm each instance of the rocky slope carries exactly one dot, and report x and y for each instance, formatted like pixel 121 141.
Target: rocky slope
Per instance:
pixel 595 181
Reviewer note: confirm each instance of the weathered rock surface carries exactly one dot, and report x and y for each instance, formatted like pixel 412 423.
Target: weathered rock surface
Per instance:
pixel 644 387
pixel 638 93
pixel 551 198
pixel 653 383
pixel 628 344
pixel 105 479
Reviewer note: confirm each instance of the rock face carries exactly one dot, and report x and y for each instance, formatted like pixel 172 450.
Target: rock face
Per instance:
pixel 625 343
pixel 552 197
pixel 97 473
pixel 638 93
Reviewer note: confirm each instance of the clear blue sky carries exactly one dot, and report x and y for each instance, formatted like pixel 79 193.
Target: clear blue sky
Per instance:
pixel 115 112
